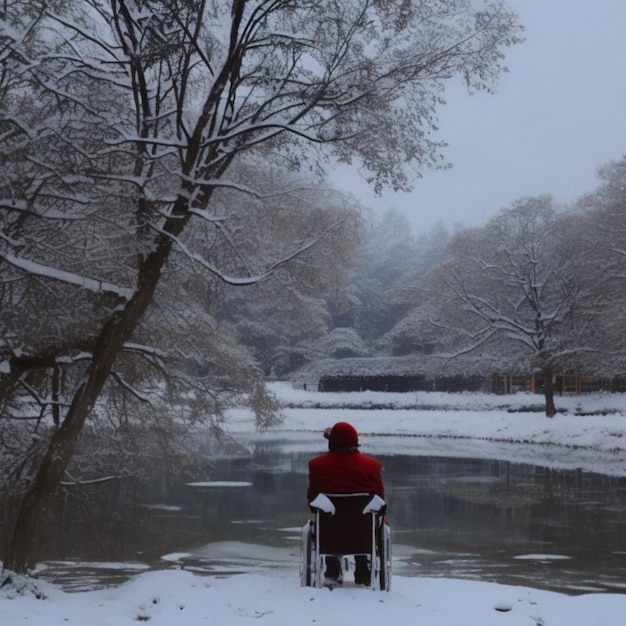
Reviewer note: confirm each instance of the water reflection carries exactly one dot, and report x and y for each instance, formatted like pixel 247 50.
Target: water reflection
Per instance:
pixel 470 518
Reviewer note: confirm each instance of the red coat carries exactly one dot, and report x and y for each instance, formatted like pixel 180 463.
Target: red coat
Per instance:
pixel 344 471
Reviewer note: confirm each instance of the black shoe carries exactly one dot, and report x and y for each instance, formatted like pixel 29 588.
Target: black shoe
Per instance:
pixel 333 568
pixel 362 576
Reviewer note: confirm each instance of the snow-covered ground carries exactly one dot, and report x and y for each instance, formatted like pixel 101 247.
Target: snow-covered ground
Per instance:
pixel 589 433
pixel 176 597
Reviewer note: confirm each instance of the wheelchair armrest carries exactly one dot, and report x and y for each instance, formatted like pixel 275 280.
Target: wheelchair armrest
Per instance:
pixel 323 503
pixel 375 505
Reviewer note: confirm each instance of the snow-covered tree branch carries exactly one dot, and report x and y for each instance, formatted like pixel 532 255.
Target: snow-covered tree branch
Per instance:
pixel 126 112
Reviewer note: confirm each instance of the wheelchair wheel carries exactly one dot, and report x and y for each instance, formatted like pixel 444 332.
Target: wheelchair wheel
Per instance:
pixel 384 557
pixel 306 556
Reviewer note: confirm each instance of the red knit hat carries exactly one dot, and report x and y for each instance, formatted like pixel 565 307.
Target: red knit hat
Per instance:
pixel 342 437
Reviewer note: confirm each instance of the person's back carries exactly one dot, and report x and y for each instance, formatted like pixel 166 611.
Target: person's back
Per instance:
pixel 343 469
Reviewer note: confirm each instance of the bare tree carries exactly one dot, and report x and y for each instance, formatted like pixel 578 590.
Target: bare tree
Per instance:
pixel 602 219
pixel 272 317
pixel 138 110
pixel 517 288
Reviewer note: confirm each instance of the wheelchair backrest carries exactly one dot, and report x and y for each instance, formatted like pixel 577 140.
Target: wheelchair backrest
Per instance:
pixel 349 530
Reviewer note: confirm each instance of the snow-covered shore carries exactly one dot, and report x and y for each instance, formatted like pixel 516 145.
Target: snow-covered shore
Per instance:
pixel 592 421
pixel 174 597
pixel 590 431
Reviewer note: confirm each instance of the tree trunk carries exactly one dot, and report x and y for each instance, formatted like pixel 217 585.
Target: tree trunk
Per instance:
pixel 114 334
pixel 548 390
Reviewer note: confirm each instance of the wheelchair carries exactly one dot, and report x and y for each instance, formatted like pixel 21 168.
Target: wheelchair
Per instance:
pixel 345 526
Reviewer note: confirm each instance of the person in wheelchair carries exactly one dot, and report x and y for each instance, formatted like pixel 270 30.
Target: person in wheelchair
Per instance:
pixel 345 470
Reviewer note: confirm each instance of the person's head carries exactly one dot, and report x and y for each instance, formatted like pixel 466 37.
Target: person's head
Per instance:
pixel 343 436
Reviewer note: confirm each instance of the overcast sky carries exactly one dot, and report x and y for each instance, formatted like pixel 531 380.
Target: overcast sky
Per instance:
pixel 556 117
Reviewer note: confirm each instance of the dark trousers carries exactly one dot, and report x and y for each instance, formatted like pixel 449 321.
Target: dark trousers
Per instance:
pixel 361 575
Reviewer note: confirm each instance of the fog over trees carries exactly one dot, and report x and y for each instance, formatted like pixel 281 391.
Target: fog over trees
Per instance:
pixel 539 290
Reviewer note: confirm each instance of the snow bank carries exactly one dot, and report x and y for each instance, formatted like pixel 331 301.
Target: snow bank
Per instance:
pixel 177 597
pixel 589 432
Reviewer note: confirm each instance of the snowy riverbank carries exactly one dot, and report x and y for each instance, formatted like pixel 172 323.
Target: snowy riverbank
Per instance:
pixel 589 432
pixel 275 599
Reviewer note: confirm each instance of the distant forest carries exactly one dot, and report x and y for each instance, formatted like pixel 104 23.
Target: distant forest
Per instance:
pixel 539 289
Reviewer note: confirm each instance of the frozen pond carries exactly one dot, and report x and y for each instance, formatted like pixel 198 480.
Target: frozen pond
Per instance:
pixel 493 520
